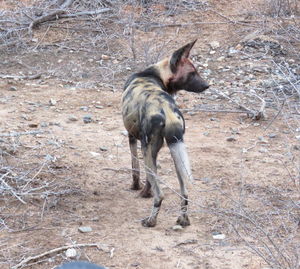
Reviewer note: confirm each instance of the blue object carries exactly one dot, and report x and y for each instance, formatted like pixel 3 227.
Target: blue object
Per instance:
pixel 79 265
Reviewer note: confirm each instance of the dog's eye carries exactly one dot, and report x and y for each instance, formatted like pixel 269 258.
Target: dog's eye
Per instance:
pixel 191 75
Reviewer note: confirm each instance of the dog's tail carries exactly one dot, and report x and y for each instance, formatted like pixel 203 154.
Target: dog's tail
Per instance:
pixel 174 131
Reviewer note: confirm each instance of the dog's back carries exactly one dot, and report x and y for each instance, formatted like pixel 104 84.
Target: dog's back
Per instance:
pixel 146 105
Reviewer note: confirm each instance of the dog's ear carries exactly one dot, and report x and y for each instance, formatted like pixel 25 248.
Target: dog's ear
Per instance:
pixel 179 55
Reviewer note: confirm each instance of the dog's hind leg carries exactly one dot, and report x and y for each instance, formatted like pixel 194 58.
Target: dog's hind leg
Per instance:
pixel 181 161
pixel 135 163
pixel 151 144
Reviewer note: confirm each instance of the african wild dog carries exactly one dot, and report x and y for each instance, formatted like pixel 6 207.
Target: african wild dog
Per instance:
pixel 151 116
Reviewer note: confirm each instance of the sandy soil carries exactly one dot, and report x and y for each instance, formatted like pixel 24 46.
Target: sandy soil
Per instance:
pixel 93 160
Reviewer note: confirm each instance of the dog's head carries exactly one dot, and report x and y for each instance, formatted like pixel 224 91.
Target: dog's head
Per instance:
pixel 179 73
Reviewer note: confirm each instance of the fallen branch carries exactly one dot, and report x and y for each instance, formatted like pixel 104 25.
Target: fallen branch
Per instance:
pixel 52 251
pixel 58 14
pixel 257 115
pixel 15 134
pixel 36 76
pixel 212 110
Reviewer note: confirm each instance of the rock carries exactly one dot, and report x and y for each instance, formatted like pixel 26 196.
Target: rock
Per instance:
pixel 84 108
pixel 71 253
pixel 214 45
pixel 213 119
pixel 87 119
pixel 212 52
pixel 177 228
pixel 105 57
pixel 72 118
pixel 85 229
pixel 219 236
pixel 128 68
pixel 221 59
pixel 272 135
pixel 33 125
pixel 125 133
pixel 263 150
pixel 44 124
pixel 12 89
pixel 103 149
pixel 296 147
pixel 230 139
pixel 95 154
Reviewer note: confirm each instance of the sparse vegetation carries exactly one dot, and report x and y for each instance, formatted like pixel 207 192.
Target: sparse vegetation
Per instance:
pixel 65 60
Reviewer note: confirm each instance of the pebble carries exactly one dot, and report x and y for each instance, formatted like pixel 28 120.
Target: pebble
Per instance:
pixel 125 133
pixel 71 253
pixel 177 228
pixel 85 229
pixel 219 236
pixel 214 45
pixel 44 124
pixel 103 149
pixel 230 139
pixel 105 57
pixel 95 154
pixel 33 125
pixel 72 118
pixel 263 150
pixel 12 89
pixel 84 108
pixel 87 119
pixel 272 135
pixel 221 59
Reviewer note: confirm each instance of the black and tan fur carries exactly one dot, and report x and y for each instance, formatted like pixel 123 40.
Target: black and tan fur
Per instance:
pixel 151 116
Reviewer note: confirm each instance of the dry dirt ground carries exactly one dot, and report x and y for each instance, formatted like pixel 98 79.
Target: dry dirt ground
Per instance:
pixel 91 161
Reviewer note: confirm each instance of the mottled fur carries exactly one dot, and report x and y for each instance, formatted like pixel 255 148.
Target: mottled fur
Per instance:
pixel 151 116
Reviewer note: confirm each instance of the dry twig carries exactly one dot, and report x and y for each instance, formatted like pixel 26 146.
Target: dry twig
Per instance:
pixel 52 251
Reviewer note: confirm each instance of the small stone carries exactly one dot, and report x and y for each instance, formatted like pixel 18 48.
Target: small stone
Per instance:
pixel 84 108
pixel 95 154
pixel 103 149
pixel 221 59
pixel 33 125
pixel 125 133
pixel 71 253
pixel 213 119
pixel 44 124
pixel 272 135
pixel 52 102
pixel 87 119
pixel 256 124
pixel 230 139
pixel 177 228
pixel 214 45
pixel 212 52
pixel 12 89
pixel 128 68
pixel 72 118
pixel 85 229
pixel 219 236
pixel 105 57
pixel 296 147
pixel 263 150
pixel 99 107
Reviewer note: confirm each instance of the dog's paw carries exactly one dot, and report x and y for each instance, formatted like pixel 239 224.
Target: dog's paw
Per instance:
pixel 183 220
pixel 146 192
pixel 149 222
